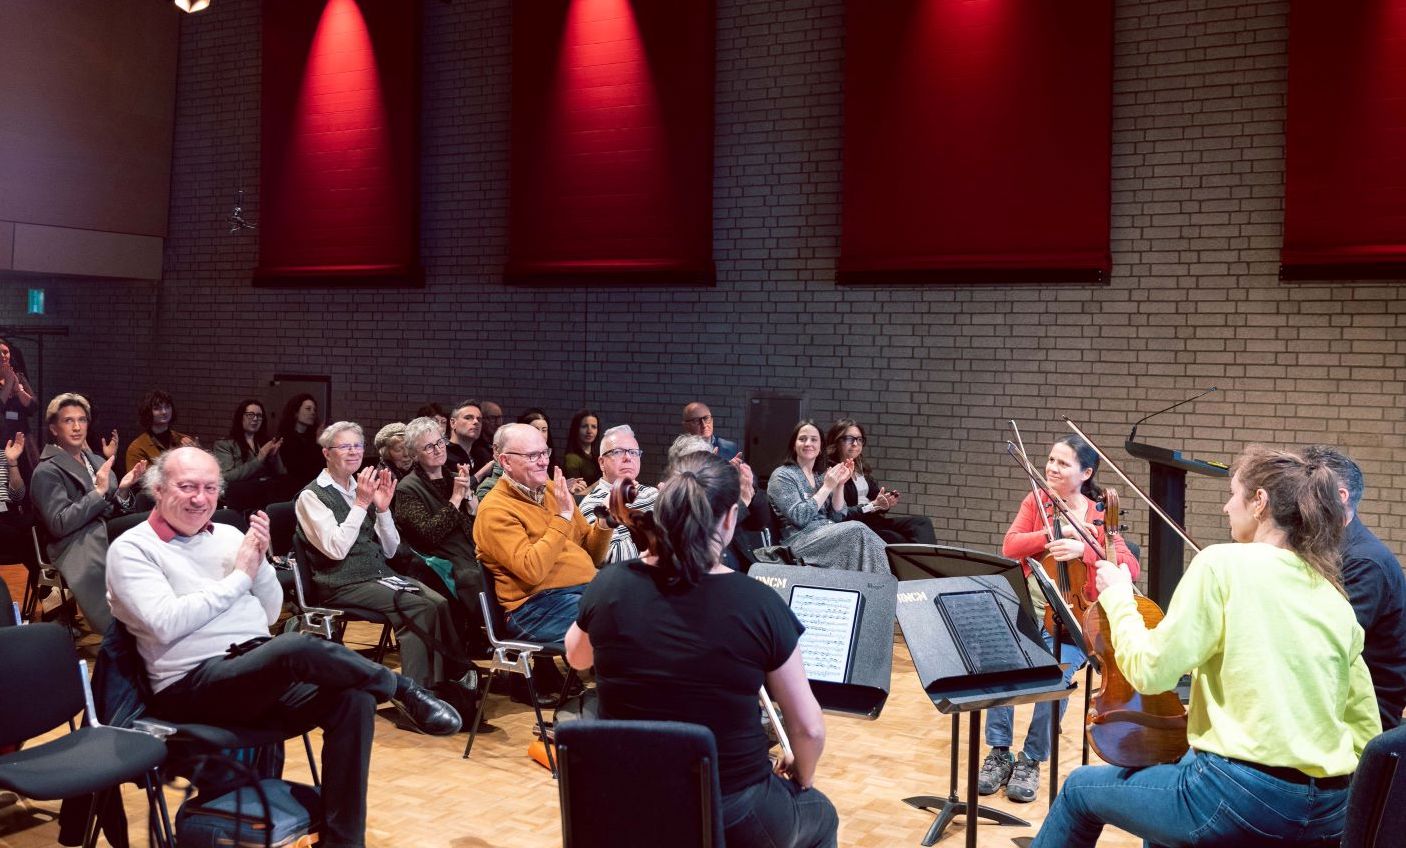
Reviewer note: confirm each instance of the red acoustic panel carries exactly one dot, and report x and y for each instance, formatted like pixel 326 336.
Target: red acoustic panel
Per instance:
pixel 978 141
pixel 1345 142
pixel 612 140
pixel 340 192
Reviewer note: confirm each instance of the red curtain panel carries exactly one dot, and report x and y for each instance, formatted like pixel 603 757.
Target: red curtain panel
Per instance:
pixel 612 141
pixel 1345 142
pixel 977 141
pixel 340 199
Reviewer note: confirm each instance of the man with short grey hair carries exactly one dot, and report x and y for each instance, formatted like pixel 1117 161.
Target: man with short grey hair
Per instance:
pixel 199 598
pixel 619 458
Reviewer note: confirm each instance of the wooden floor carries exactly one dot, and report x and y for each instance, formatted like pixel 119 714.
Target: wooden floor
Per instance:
pixel 423 794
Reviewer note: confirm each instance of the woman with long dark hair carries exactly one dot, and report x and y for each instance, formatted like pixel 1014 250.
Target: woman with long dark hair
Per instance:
pixel 1281 700
pixel 808 496
pixel 248 458
pixel 581 460
pixel 298 428
pixel 1069 473
pixel 678 636
pixel 845 440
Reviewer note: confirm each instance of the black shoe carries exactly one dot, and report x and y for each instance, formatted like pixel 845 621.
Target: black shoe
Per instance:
pixel 426 712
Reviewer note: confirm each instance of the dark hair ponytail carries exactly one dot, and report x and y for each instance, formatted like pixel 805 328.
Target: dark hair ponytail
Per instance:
pixel 692 501
pixel 1088 458
pixel 1303 501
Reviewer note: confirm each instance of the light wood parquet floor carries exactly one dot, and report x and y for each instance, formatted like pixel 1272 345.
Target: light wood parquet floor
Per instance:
pixel 422 793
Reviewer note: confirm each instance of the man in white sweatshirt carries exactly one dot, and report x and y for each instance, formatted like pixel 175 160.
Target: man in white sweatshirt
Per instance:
pixel 199 599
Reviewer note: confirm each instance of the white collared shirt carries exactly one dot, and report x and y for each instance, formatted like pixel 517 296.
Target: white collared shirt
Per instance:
pixel 333 539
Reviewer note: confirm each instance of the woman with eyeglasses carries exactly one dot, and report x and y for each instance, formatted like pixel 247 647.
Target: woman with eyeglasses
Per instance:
pixel 808 497
pixel 581 463
pixel 435 511
pixel 248 459
pixel 872 503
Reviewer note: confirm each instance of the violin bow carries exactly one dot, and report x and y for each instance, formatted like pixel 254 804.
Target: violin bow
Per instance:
pixel 776 723
pixel 1025 459
pixel 1176 528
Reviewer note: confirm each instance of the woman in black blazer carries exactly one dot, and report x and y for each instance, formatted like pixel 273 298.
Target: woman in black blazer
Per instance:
pixel 845 440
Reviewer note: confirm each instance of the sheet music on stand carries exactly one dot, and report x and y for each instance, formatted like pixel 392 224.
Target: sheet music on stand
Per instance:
pixel 982 630
pixel 831 617
pixel 1067 619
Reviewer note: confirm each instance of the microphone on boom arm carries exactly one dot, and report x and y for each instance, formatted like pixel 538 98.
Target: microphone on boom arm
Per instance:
pixel 1133 433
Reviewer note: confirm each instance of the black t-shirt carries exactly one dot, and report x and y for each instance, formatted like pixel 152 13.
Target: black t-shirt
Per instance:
pixel 697 655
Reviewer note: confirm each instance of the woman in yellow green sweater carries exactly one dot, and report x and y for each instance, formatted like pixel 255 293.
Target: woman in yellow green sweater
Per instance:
pixel 1281 700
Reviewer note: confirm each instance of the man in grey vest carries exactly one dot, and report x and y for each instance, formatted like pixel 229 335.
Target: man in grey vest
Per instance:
pixel 346 530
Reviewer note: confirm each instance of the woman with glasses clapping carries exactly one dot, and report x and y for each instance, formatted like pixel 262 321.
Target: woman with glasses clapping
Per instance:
pixel 870 501
pixel 249 461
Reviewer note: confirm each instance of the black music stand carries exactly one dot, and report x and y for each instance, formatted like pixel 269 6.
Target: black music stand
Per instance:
pixel 1066 623
pixel 1165 553
pixel 944 673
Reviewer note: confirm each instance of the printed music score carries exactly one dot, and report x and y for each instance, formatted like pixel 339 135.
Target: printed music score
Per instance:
pixel 982 631
pixel 830 617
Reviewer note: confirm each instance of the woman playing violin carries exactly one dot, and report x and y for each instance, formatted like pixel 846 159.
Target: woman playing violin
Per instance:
pixel 1281 700
pixel 1069 474
pixel 678 636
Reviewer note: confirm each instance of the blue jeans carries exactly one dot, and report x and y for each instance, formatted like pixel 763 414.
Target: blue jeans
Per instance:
pixel 1037 738
pixel 776 813
pixel 547 615
pixel 1204 800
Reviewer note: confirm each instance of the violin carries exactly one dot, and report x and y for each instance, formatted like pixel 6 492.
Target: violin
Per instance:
pixel 1071 577
pixel 640 523
pixel 1125 727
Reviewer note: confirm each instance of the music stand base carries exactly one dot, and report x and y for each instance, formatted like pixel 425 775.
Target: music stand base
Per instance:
pixel 947 809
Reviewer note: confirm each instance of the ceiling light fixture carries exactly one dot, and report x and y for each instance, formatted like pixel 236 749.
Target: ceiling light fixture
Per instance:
pixel 192 5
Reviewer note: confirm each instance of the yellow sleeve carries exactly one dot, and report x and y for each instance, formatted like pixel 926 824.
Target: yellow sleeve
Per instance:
pixel 1363 718
pixel 1191 633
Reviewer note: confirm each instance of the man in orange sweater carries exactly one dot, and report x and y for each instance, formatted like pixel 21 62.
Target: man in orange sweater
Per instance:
pixel 533 540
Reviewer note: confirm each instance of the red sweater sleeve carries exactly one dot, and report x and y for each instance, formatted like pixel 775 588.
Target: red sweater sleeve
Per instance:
pixel 1026 536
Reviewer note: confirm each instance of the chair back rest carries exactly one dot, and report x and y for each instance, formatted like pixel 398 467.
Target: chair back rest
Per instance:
pixel 302 575
pixel 489 606
pixel 283 519
pixel 1376 804
pixel 41 543
pixel 42 687
pixel 7 607
pixel 638 783
pixel 233 517
pixel 122 523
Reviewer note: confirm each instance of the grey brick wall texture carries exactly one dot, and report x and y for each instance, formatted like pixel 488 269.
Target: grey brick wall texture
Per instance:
pixel 933 372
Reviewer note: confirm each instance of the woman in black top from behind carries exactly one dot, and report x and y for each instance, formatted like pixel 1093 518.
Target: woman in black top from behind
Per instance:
pixel 677 636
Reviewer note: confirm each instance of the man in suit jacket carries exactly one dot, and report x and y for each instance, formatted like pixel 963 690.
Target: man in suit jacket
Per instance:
pixel 698 421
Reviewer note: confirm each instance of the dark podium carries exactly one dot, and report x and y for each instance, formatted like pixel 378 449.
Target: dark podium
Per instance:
pixel 1165 553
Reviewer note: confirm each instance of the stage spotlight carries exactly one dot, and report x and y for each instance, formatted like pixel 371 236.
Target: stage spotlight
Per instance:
pixel 192 5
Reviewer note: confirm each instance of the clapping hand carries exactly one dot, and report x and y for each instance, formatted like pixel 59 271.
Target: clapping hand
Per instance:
pixel 839 474
pixel 566 506
pixel 578 486
pixel 133 475
pixel 14 448
pixel 110 445
pixel 270 448
pixel 385 490
pixel 746 478
pixel 250 556
pixel 102 478
pixel 885 500
pixel 365 486
pixel 463 483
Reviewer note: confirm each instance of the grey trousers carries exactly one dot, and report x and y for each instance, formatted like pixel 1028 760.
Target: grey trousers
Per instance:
pixel 428 609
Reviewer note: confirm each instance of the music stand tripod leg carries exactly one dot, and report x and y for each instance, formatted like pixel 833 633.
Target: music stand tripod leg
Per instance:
pixel 1054 718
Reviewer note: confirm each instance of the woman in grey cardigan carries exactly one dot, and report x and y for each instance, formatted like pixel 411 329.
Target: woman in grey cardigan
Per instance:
pixel 809 499
pixel 73 492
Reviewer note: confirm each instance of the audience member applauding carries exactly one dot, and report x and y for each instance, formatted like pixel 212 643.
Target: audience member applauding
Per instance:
pixel 581 464
pixel 156 412
pixel 698 421
pixel 391 448
pixel 845 441
pixel 249 459
pixel 14 521
pixel 73 491
pixel 809 498
pixel 533 540
pixel 678 636
pixel 17 399
pixel 345 523
pixel 465 447
pixel 300 453
pixel 435 510
pixel 619 458
pixel 199 598
pixel 753 508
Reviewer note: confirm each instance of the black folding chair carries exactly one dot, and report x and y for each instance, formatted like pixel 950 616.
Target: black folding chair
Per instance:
pixel 329 622
pixel 1376 804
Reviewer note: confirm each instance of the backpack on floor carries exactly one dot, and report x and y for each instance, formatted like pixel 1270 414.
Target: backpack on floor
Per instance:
pixel 247 811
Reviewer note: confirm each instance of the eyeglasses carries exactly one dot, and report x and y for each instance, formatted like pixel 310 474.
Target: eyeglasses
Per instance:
pixel 852 440
pixel 254 416
pixel 434 447
pixel 702 419
pixel 633 453
pixel 534 456
pixel 354 448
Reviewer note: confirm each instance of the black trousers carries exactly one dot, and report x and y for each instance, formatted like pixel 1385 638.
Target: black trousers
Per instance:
pixel 895 528
pixel 292 683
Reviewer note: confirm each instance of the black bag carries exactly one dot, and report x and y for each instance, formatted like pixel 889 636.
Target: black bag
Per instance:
pixel 248 812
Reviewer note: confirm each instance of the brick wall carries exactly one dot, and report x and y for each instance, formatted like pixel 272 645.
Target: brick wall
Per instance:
pixel 933 372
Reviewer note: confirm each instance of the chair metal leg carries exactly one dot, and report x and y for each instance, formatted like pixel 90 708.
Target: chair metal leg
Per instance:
pixel 156 799
pixel 312 761
pixel 382 644
pixel 541 725
pixel 478 714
